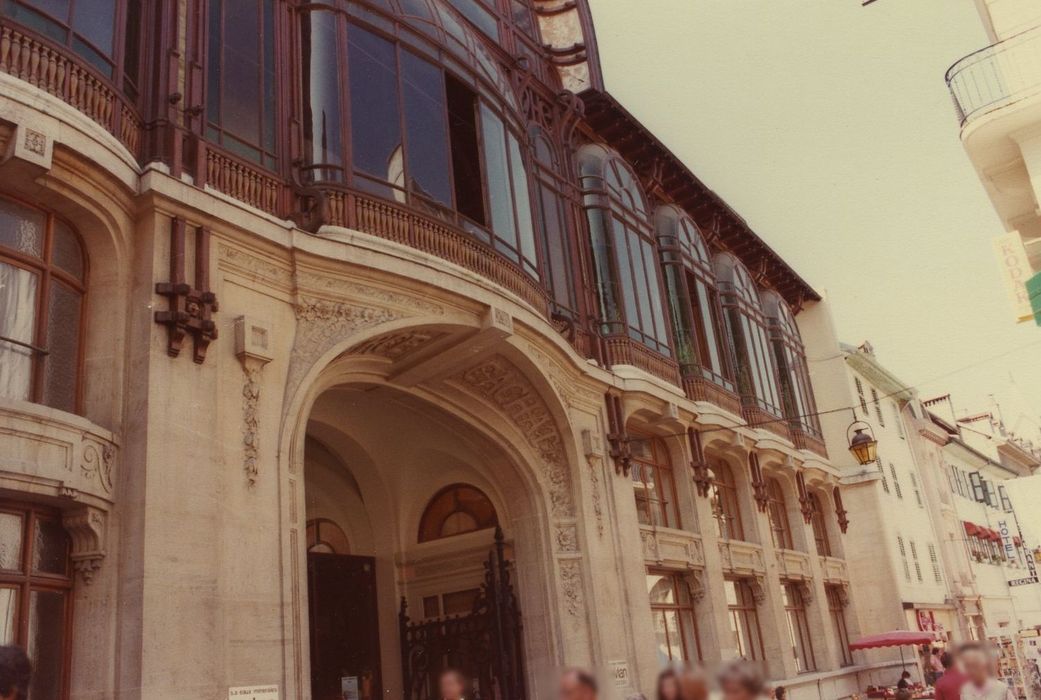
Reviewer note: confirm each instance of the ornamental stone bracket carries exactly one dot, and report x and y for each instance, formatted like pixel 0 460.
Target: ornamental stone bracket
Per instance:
pixel 252 347
pixel 87 528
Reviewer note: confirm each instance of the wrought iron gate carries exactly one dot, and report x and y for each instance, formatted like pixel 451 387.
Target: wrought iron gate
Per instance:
pixel 485 644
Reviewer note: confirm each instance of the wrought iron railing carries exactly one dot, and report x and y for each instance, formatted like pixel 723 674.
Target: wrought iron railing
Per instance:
pixel 997 75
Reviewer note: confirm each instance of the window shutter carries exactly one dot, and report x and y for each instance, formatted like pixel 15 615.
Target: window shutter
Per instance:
pixel 979 491
pixel 1006 502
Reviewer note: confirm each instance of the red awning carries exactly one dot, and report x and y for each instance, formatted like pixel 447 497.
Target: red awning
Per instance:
pixel 896 638
pixel 1017 541
pixel 970 529
pixel 995 535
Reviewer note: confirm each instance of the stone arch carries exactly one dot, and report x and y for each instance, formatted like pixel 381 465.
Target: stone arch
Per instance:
pixel 502 394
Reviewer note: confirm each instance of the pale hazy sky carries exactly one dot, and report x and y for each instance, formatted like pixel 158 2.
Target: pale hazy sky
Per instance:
pixel 828 126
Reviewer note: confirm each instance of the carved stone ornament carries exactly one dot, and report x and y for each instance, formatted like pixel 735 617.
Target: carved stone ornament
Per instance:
pixel 567 538
pixel 806 591
pixel 571 585
pixel 497 381
pixel 593 446
pixel 252 347
pixel 87 531
pixel 696 587
pixel 758 586
pixel 96 462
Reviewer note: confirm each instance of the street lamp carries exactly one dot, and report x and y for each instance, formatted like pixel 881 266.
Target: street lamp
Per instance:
pixel 863 446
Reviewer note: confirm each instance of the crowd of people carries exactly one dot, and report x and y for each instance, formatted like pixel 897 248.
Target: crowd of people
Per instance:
pixel 969 673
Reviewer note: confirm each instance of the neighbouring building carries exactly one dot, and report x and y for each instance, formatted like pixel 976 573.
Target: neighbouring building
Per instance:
pixel 344 340
pixel 997 97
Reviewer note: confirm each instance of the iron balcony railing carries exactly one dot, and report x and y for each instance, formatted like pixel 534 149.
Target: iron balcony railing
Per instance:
pixel 997 75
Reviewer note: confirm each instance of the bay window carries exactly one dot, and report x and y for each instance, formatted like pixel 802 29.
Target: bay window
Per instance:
pixel 628 286
pixel 746 324
pixel 554 214
pixel 400 126
pixel 42 282
pixel 240 78
pixel 697 323
pixel 790 355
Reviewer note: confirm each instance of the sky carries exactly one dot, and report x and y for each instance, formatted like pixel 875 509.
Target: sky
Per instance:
pixel 828 127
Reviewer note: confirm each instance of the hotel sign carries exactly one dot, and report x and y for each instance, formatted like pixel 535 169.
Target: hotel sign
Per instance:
pixel 1015 270
pixel 1008 544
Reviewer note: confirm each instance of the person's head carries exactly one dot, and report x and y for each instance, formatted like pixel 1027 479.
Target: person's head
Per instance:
pixel 936 652
pixel 576 684
pixel 452 684
pixel 947 660
pixel 15 673
pixel 668 685
pixel 906 675
pixel 780 693
pixel 903 694
pixel 740 680
pixel 694 684
pixel 975 661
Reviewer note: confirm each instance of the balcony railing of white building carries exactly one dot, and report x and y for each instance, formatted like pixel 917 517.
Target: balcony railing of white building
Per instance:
pixel 997 75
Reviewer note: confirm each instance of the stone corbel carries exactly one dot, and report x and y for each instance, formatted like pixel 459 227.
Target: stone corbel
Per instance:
pixel 252 347
pixel 696 587
pixel 762 498
pixel 806 591
pixel 702 478
pixel 843 595
pixel 87 530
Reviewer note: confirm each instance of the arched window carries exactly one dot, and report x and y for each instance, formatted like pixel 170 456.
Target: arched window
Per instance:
pixel 697 323
pixel 240 78
pixel 42 282
pixel 326 537
pixel 796 392
pixel 654 484
pixel 456 510
pixel 726 508
pixel 820 527
pixel 746 323
pixel 629 290
pixel 777 508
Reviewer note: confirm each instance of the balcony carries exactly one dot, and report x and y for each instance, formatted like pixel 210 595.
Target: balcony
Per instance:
pixel 742 558
pixel 996 76
pixel 672 548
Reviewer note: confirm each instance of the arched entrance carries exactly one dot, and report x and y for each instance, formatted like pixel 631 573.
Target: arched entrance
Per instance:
pixel 404 488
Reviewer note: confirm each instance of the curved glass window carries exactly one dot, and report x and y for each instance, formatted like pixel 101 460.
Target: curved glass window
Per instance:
pixel 554 214
pixel 42 283
pixel 726 508
pixel 414 125
pixel 96 30
pixel 694 309
pixel 456 510
pixel 746 324
pixel 654 484
pixel 240 78
pixel 629 289
pixel 796 391
pixel 777 509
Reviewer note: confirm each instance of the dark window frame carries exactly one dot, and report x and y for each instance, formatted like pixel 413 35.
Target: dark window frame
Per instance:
pixel 428 533
pixel 726 501
pixel 796 612
pixel 777 511
pixel 49 273
pixel 683 607
pixel 662 507
pixel 744 620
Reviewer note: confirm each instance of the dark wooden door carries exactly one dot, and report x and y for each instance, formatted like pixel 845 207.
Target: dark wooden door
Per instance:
pixel 345 644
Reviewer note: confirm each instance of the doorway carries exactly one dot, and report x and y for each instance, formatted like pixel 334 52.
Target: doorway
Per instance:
pixel 345 646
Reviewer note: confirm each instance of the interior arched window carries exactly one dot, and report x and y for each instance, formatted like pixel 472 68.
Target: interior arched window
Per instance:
pixel 432 129
pixel 698 333
pixel 726 508
pixel 820 527
pixel 777 509
pixel 456 510
pixel 324 536
pixel 790 355
pixel 240 78
pixel 42 281
pixel 629 289
pixel 654 485
pixel 746 324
